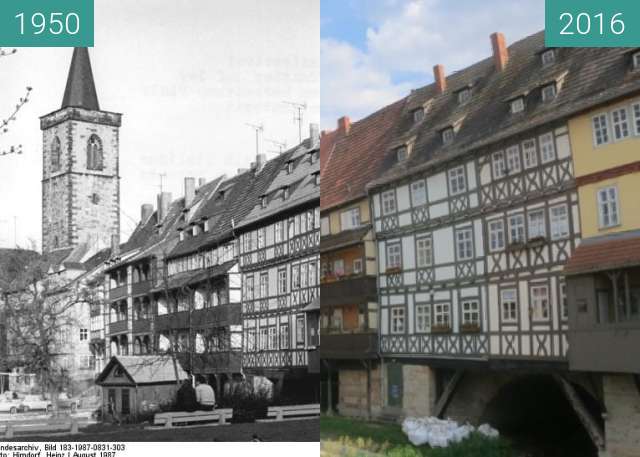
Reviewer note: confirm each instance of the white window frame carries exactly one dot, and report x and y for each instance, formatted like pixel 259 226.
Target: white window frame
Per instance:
pixel 506 298
pixel 350 218
pixel 464 96
pixel 635 110
pixel 529 153
pixel 517 105
pixel 282 281
pixel 635 58
pixel 547 147
pixel 464 244
pixel 402 153
pixel 357 266
pixel 418 193
pixel 470 308
pixel 512 159
pixel 601 134
pixel 264 285
pixel 457 180
pixel 549 92
pixel 516 228
pixel 498 164
pixel 536 227
pixel 424 252
pixel 325 227
pixel 612 205
pixel 388 202
pixel 418 115
pixel 423 318
pixel 497 240
pixel 448 135
pixel 564 302
pixel 392 253
pixel 398 320
pixel 620 124
pixel 540 303
pixel 548 57
pixel 442 314
pixel 559 223
pixel 338 267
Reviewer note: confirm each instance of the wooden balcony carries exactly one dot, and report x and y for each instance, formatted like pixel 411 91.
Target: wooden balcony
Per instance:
pixel 118 292
pixel 349 345
pixel 214 362
pixel 348 291
pixel 218 316
pixel 141 326
pixel 141 288
pixel 118 327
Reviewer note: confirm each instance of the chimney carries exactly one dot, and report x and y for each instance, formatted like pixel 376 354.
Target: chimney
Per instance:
pixel 440 78
pixel 261 159
pixel 164 200
pixel 314 133
pixel 500 51
pixel 202 182
pixel 189 191
pixel 344 125
pixel 242 170
pixel 115 245
pixel 146 211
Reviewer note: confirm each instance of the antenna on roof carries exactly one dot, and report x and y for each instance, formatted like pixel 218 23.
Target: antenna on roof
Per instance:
pixel 279 144
pixel 298 117
pixel 259 128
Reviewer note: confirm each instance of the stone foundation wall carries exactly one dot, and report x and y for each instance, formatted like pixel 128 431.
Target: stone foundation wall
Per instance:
pixel 353 392
pixel 622 424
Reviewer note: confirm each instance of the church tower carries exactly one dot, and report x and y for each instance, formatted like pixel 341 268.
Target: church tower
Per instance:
pixel 80 185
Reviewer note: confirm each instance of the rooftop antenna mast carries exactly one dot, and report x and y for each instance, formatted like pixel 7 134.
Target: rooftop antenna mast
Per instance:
pixel 279 144
pixel 298 117
pixel 259 128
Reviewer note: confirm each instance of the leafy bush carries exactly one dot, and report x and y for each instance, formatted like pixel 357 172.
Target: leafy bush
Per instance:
pixel 248 404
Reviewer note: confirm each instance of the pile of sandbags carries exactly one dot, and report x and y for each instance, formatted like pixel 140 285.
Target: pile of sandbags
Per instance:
pixel 440 432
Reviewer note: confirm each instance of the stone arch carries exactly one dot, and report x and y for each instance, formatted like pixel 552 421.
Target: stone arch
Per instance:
pixel 95 157
pixel 56 154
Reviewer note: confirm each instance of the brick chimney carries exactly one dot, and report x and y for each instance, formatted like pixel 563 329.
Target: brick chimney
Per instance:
pixel 115 245
pixel 500 51
pixel 146 211
pixel 440 78
pixel 189 191
pixel 164 200
pixel 261 159
pixel 344 125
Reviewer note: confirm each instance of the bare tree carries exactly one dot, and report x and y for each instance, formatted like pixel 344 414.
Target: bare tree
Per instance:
pixel 12 114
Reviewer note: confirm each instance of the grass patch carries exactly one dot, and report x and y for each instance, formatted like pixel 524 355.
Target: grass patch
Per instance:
pixel 355 438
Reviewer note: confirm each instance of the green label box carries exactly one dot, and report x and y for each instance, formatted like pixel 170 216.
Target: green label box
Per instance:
pixel 46 23
pixel 592 23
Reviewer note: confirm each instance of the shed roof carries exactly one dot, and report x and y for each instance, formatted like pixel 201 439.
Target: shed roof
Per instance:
pixel 620 250
pixel 145 369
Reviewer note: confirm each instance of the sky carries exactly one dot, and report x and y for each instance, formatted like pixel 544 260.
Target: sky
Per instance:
pixel 373 52
pixel 188 75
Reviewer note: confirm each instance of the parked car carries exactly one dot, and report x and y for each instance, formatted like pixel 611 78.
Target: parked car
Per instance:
pixel 35 403
pixel 65 402
pixel 9 405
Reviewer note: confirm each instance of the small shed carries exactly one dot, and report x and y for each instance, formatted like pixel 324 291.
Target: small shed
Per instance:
pixel 139 385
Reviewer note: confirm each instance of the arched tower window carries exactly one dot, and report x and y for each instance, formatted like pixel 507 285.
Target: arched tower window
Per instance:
pixel 94 153
pixel 56 153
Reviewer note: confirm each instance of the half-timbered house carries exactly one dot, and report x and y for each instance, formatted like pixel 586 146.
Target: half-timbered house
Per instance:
pixel 279 259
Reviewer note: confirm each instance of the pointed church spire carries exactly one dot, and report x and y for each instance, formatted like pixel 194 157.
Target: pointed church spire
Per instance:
pixel 81 90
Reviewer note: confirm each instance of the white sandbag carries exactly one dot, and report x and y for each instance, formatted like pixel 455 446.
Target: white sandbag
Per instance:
pixel 488 430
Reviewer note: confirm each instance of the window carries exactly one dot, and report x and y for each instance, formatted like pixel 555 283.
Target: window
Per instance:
pixel 457 183
pixel 517 105
pixel 636 117
pixel 338 267
pixel 423 318
pixel 388 202
pixel 262 235
pixel 470 312
pixel 316 178
pixel 537 227
pixel 540 302
pixel 300 324
pixel 547 148
pixel 289 166
pixel 313 267
pixel 94 153
pixel 600 129
pixel 285 192
pixel 608 207
pixel 264 285
pixel 282 282
pixel 496 235
pixel 84 334
pixel 418 193
pixel 498 165
pixel 284 336
pixel 464 95
pixel 529 153
pixel 324 227
pixel 559 222
pixel 513 159
pixel 620 123
pixel 279 231
pixel 549 92
pixel 464 244
pixel 273 338
pixel 564 303
pixel 548 57
pixel 357 266
pixel 263 201
pixel 636 60
pixel 516 228
pixel 350 219
pixel 295 280
pixel 56 153
pixel 509 306
pixel 441 315
pixel 402 153
pixel 447 135
pixel 397 320
pixel 394 256
pixel 248 293
pixel 424 252
pixel 418 114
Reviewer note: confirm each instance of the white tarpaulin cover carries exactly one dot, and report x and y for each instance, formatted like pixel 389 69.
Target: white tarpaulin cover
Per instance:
pixel 440 432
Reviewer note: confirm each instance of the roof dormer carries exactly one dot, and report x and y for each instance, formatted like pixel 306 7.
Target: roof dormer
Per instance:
pixel 548 57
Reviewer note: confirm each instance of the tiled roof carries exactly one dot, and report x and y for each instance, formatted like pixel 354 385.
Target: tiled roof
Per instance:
pixel 343 239
pixel 193 277
pixel 358 157
pixel 602 253
pixel 146 369
pixel 586 77
pixel 327 143
pixel 81 89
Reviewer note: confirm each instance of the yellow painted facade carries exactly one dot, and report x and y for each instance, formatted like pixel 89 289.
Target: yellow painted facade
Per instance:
pixel 334 216
pixel 590 159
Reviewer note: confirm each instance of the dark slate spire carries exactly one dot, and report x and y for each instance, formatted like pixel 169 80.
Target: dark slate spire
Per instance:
pixel 81 90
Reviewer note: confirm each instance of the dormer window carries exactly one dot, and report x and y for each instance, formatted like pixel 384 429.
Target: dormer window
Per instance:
pixel 289 167
pixel 317 179
pixel 418 115
pixel 548 57
pixel 205 226
pixel 181 234
pixel 635 58
pixel 195 230
pixel 517 105
pixel 464 95
pixel 221 195
pixel 285 193
pixel 402 153
pixel 312 157
pixel 448 135
pixel 263 201
pixel 549 92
